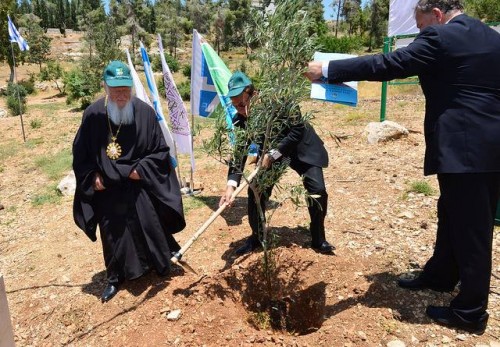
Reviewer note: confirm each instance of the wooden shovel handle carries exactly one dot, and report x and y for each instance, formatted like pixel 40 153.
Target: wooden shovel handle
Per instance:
pixel 214 215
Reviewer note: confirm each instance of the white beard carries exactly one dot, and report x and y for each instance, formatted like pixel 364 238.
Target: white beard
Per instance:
pixel 120 116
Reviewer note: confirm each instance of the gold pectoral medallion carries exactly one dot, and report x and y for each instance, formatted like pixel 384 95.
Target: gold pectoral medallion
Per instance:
pixel 114 150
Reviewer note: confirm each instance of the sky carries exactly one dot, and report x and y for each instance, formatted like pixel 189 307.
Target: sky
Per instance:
pixel 327 4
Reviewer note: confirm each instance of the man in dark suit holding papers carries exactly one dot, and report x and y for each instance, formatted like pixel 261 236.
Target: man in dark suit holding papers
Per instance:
pixel 456 59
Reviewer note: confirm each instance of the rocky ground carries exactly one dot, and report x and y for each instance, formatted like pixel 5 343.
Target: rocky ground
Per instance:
pixel 54 275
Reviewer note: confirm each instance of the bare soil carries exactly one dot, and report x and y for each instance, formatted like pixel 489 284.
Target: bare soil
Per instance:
pixel 55 275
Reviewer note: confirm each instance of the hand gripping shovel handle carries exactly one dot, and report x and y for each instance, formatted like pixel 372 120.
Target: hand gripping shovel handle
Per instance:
pixel 175 259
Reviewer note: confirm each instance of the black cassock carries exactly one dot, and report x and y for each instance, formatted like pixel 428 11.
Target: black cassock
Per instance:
pixel 136 218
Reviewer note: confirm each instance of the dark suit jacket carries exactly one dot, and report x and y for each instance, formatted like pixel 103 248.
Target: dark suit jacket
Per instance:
pixel 299 143
pixel 459 69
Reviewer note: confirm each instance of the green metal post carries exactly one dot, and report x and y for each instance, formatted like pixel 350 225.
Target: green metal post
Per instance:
pixel 383 96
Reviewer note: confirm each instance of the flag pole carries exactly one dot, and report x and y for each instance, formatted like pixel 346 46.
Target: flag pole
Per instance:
pixel 18 92
pixel 191 179
pixel 178 168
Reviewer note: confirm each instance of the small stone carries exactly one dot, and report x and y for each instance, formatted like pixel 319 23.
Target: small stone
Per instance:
pixel 396 343
pixel 174 315
pixel 407 215
pixel 362 335
pixel 446 339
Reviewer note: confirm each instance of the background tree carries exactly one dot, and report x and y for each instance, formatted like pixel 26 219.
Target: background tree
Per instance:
pixel 39 42
pixel 351 12
pixel 101 45
pixel 61 17
pixel 172 24
pixel 8 7
pixel 41 11
pixel 378 22
pixel 199 13
pixel 486 10
pixel 25 7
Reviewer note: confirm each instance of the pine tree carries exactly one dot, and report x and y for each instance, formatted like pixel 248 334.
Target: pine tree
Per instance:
pixel 39 43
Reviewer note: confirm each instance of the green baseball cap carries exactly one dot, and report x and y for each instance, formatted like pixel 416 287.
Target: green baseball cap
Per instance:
pixel 237 84
pixel 117 74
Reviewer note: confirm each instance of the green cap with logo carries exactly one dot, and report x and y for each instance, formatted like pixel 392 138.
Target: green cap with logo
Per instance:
pixel 237 84
pixel 117 74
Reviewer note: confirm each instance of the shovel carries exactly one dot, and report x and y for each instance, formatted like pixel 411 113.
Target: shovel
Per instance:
pixel 177 256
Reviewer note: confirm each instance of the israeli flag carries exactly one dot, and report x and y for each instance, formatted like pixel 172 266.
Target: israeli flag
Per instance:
pixel 14 36
pixel 153 90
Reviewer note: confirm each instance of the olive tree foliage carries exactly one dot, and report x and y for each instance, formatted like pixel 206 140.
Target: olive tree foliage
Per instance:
pixel 285 44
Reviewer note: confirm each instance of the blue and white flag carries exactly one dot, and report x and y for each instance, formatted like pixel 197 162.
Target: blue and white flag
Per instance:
pixel 204 97
pixel 209 79
pixel 148 71
pixel 140 92
pixel 14 36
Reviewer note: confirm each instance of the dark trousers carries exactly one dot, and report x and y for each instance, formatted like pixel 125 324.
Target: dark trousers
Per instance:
pixel 314 183
pixel 463 249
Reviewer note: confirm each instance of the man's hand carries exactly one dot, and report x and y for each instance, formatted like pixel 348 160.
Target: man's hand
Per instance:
pixel 267 161
pixel 226 198
pixel 98 182
pixel 134 175
pixel 314 71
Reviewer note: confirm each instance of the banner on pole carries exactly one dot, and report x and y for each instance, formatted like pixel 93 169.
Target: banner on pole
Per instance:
pixel 177 111
pixel 209 78
pixel 148 71
pixel 140 91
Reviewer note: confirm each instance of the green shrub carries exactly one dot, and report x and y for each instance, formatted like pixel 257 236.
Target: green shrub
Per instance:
pixel 52 72
pixel 16 99
pixel 29 86
pixel 184 89
pixel 186 71
pixel 50 196
pixel 172 63
pixel 343 44
pixel 36 123
pixel 80 86
pixel 421 187
pixel 161 86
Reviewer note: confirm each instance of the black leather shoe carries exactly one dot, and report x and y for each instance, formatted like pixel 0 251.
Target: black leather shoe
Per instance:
pixel 249 246
pixel 109 292
pixel 325 248
pixel 446 316
pixel 419 283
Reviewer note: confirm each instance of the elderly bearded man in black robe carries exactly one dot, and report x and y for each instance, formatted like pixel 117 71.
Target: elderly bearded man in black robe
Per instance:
pixel 126 183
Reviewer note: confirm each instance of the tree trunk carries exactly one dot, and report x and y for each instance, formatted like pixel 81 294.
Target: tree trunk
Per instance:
pixel 11 77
